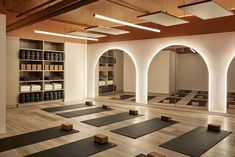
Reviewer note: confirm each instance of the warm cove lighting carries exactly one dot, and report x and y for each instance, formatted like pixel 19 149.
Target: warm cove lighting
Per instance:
pixel 125 23
pixel 64 35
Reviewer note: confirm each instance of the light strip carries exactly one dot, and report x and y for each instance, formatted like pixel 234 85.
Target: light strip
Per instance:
pixel 193 50
pixel 125 23
pixel 64 35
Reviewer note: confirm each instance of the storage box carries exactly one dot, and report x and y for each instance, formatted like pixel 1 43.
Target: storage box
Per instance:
pixel 61 67
pixel 166 101
pixel 89 103
pixel 166 118
pixel 100 138
pixel 195 103
pixel 51 67
pixel 22 66
pixel 39 67
pixel 46 67
pixel 213 127
pixel 28 67
pixel 67 126
pixel 34 66
pixel 133 112
pixel 155 154
pixel 56 67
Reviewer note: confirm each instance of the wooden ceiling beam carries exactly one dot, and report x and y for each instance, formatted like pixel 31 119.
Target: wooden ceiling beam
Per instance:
pixel 50 12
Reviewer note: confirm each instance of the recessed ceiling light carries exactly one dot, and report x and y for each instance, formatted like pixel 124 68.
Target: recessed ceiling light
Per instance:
pixel 125 23
pixel 87 34
pixel 162 18
pixel 106 30
pixel 64 35
pixel 207 9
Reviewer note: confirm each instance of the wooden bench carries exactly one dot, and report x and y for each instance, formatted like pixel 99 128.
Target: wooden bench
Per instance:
pixel 67 126
pixel 213 127
pixel 155 154
pixel 100 138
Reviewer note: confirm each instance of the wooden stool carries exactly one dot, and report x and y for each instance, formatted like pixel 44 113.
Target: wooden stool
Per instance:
pixel 106 107
pixel 155 154
pixel 166 118
pixel 133 112
pixel 89 103
pixel 213 127
pixel 67 126
pixel 100 138
pixel 195 103
pixel 166 101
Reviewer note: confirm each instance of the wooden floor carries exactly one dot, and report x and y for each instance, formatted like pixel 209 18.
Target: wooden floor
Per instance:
pixel 30 118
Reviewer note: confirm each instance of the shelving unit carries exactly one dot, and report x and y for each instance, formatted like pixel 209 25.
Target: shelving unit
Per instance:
pixel 106 73
pixel 41 63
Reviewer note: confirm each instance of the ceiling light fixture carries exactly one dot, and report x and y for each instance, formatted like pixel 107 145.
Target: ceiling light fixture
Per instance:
pixel 207 9
pixel 87 34
pixel 64 35
pixel 107 30
pixel 163 18
pixel 125 23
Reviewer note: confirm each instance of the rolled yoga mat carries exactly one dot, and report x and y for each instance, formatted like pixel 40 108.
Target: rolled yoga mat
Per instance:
pixel 98 122
pixel 64 107
pixel 195 142
pixel 81 148
pixel 32 137
pixel 143 128
pixel 83 112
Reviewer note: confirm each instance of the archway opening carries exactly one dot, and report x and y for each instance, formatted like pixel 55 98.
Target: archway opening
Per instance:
pixel 231 87
pixel 178 77
pixel 116 76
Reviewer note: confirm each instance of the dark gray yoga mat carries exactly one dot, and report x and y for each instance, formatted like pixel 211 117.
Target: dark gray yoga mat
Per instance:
pixel 81 148
pixel 83 112
pixel 141 155
pixel 98 122
pixel 64 107
pixel 195 142
pixel 143 128
pixel 32 137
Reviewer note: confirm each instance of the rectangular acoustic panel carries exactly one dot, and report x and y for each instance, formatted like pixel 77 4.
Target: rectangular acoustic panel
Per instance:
pixel 206 9
pixel 162 18
pixel 87 34
pixel 106 30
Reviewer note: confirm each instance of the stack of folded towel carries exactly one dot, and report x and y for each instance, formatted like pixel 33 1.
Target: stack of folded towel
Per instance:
pixel 35 87
pixel 110 82
pixel 101 83
pixel 25 88
pixel 57 86
pixel 48 87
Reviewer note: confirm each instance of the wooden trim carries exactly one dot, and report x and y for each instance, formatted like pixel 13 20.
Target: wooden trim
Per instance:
pixel 195 3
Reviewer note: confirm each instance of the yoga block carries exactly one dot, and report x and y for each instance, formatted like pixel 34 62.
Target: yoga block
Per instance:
pixel 67 126
pixel 214 127
pixel 231 106
pixel 155 154
pixel 56 67
pixel 46 67
pixel 60 67
pixel 22 66
pixel 166 101
pixel 166 118
pixel 195 103
pixel 51 67
pixel 34 66
pixel 106 107
pixel 89 103
pixel 28 67
pixel 200 97
pixel 100 138
pixel 133 112
pixel 39 67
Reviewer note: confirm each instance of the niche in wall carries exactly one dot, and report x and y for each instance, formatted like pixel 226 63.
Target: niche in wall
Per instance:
pixel 231 87
pixel 115 74
pixel 178 76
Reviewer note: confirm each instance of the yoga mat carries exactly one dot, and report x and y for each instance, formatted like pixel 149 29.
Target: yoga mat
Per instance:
pixel 126 96
pixel 32 137
pixel 195 142
pixel 64 107
pixel 179 95
pixel 184 91
pixel 143 128
pixel 201 102
pixel 141 155
pixel 202 92
pixel 81 148
pixel 204 96
pixel 98 122
pixel 173 100
pixel 83 112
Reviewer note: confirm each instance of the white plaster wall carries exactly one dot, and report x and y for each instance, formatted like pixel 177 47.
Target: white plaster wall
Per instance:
pixel 216 49
pixel 192 72
pixel 3 73
pixel 75 71
pixel 159 74
pixel 129 82
pixel 172 76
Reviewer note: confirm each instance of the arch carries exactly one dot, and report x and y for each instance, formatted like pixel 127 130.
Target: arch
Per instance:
pixel 204 59
pixel 124 51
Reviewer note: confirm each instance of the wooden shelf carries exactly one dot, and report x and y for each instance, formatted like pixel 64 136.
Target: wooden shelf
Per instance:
pixel 53 61
pixel 30 49
pixel 53 80
pixel 53 51
pixel 53 90
pixel 53 70
pixel 31 70
pixel 40 91
pixel 30 60
pixel 32 81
